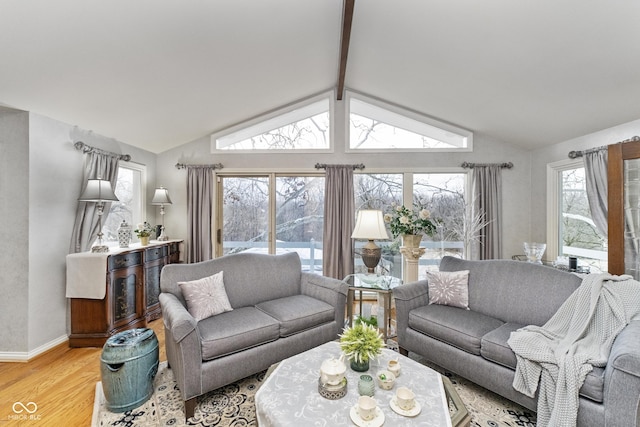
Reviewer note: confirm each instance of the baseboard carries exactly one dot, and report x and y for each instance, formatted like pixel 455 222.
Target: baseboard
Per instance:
pixel 21 356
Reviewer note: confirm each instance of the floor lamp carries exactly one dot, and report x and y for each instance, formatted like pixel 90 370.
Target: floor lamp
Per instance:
pixel 161 198
pixel 370 225
pixel 98 191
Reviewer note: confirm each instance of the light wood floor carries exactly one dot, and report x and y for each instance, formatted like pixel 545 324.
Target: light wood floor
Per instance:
pixel 61 382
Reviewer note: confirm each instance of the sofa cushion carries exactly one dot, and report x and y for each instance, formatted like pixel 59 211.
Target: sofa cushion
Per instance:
pixel 494 345
pixel 206 297
pixel 495 348
pixel 236 330
pixel 455 326
pixel 297 313
pixel 510 290
pixel 449 288
pixel 593 387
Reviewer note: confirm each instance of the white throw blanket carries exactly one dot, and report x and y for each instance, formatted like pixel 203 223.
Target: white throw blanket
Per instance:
pixel 578 337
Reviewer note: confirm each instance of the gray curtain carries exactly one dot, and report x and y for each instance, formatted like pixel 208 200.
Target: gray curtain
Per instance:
pixel 595 167
pixel 85 230
pixel 487 196
pixel 339 220
pixel 200 213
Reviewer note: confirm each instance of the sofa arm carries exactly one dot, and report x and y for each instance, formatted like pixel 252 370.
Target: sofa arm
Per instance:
pixel 622 378
pixel 327 289
pixel 175 316
pixel 407 297
pixel 183 345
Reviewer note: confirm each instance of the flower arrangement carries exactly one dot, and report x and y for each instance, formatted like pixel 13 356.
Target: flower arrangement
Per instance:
pixel 144 230
pixel 361 342
pixel 406 221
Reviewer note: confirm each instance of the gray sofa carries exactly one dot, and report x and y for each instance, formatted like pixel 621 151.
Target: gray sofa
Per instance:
pixel 505 295
pixel 278 311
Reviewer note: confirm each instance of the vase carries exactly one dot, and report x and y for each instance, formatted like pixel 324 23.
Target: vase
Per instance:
pixel 124 234
pixel 144 240
pixel 366 386
pixel 411 240
pixel 359 366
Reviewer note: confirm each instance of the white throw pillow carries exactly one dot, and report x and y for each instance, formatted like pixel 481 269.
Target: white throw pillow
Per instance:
pixel 449 288
pixel 206 297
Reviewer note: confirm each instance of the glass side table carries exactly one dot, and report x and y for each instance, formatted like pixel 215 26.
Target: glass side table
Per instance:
pixel 381 285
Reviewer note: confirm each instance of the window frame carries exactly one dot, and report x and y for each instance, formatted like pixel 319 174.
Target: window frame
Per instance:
pixel 142 170
pixel 554 202
pixel 409 114
pixel 274 114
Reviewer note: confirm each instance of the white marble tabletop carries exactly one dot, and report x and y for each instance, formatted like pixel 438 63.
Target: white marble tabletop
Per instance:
pixel 289 397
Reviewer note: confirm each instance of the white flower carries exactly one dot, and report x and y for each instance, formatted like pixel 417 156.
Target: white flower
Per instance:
pixel 140 226
pixel 405 220
pixel 399 208
pixel 425 214
pixel 387 218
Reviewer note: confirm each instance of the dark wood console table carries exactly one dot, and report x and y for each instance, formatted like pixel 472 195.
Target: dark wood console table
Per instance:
pixel 115 291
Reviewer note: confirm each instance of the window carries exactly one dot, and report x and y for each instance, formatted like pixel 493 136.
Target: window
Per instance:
pixel 377 126
pixel 572 231
pixel 305 126
pixel 443 194
pixel 130 207
pixel 256 208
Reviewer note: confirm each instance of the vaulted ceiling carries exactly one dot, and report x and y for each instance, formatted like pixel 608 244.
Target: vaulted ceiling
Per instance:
pixel 160 73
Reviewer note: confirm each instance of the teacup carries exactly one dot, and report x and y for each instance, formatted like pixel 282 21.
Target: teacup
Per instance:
pixel 406 398
pixel 367 407
pixel 394 367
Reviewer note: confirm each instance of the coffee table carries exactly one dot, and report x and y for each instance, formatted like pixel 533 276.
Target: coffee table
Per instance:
pixel 289 395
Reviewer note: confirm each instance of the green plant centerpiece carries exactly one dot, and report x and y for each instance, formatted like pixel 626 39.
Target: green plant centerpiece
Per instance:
pixel 360 343
pixel 144 229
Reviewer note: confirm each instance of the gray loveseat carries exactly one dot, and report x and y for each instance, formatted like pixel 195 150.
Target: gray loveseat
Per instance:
pixel 505 295
pixel 278 311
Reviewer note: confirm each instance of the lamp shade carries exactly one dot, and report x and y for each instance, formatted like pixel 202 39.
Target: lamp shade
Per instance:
pixel 98 190
pixel 161 197
pixel 370 226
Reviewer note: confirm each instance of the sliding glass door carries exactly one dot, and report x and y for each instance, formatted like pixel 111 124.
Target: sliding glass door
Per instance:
pixel 243 220
pixel 272 213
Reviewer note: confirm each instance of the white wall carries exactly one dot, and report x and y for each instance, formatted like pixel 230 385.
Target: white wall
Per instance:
pixel 14 229
pixel 516 181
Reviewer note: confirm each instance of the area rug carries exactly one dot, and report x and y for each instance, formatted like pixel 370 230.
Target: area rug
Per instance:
pixel 233 405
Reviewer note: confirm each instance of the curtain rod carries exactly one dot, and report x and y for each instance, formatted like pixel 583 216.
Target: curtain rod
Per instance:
pixel 185 166
pixel 79 145
pixel 577 153
pixel 324 166
pixel 507 165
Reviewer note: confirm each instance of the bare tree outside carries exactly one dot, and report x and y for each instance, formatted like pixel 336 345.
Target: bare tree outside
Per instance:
pixel 122 209
pixel 579 235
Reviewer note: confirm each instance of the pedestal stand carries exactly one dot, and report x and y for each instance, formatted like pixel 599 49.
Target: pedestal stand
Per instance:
pixel 411 259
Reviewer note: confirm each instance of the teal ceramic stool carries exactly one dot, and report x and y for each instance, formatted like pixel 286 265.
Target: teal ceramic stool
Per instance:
pixel 129 363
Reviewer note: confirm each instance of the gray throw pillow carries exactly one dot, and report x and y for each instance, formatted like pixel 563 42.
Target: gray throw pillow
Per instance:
pixel 449 288
pixel 206 297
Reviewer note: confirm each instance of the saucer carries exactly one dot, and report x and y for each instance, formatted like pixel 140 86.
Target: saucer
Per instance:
pixel 376 421
pixel 406 412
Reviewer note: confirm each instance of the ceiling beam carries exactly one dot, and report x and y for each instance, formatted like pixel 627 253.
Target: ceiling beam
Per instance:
pixel 347 19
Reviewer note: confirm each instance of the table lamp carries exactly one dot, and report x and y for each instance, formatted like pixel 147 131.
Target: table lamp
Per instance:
pixel 370 226
pixel 98 191
pixel 161 198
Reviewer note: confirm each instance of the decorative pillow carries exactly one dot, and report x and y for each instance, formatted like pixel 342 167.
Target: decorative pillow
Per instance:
pixel 449 288
pixel 206 297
